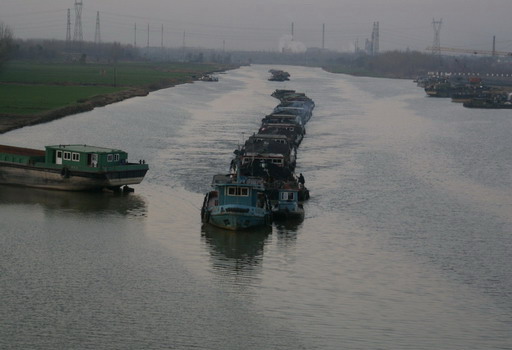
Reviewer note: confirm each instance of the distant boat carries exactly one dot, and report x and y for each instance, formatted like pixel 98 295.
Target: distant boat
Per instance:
pixel 440 89
pixel 236 203
pixel 491 101
pixel 69 167
pixel 209 77
pixel 278 75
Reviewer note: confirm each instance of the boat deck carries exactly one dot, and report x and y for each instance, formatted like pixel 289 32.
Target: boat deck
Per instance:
pixel 20 151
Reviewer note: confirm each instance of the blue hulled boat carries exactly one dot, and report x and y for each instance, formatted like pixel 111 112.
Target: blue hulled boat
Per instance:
pixel 287 206
pixel 236 203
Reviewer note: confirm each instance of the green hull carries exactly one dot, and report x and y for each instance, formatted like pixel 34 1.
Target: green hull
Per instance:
pixel 65 179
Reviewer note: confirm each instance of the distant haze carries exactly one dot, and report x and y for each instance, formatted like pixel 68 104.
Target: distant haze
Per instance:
pixel 266 24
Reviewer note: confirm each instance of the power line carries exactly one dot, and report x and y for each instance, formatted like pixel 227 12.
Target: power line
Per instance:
pixel 29 13
pixel 97 35
pixel 68 28
pixel 375 38
pixel 194 24
pixel 436 44
pixel 78 36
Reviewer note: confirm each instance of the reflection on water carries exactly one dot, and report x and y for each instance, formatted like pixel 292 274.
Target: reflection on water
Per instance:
pixel 235 251
pixel 405 245
pixel 288 227
pixel 125 204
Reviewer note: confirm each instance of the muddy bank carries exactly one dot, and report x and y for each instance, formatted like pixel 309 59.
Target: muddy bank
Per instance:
pixel 10 122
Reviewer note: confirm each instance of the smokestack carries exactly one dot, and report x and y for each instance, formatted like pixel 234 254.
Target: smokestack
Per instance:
pixel 292 32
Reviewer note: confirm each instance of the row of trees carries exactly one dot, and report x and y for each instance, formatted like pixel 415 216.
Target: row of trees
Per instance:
pixel 62 51
pixel 86 52
pixel 410 64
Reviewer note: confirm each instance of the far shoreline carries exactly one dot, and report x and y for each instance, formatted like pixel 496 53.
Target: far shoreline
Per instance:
pixel 9 122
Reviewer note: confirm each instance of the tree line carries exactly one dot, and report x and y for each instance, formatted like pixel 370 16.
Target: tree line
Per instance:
pixel 392 64
pixel 411 64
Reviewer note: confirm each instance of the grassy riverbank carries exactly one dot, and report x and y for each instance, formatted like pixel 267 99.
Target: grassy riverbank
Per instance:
pixel 32 93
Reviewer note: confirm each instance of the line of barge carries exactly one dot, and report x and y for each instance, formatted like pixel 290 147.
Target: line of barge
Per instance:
pixel 262 185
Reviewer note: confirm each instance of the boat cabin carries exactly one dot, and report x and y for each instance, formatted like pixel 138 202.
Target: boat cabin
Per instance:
pixel 255 138
pixel 247 191
pixel 275 152
pixel 288 205
pixel 85 156
pixel 282 118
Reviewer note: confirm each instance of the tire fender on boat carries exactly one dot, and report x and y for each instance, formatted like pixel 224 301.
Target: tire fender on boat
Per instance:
pixel 64 172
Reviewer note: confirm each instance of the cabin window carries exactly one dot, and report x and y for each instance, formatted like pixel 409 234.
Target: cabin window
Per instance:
pixel 277 161
pixel 287 196
pixel 67 155
pixel 238 191
pixel 75 157
pixel 116 157
pixel 110 157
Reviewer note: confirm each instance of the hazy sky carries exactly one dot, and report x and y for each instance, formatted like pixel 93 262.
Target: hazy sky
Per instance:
pixel 260 24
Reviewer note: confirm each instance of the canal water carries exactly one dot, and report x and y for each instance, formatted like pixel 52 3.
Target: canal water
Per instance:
pixel 406 243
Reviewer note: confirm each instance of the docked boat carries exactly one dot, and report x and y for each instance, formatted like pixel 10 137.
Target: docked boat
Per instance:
pixel 209 77
pixel 471 92
pixel 440 89
pixel 69 167
pixel 486 104
pixel 491 101
pixel 236 203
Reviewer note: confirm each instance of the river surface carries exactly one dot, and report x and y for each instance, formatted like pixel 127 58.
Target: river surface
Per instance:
pixel 406 244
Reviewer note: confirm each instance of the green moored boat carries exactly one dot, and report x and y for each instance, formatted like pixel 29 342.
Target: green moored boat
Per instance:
pixel 69 167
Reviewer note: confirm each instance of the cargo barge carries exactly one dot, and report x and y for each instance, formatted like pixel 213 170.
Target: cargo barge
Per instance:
pixel 69 168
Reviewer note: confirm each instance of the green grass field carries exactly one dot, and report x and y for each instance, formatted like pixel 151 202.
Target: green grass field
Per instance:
pixel 122 74
pixel 33 99
pixel 30 88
